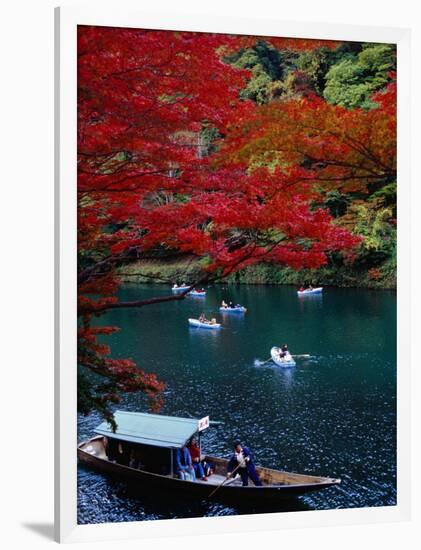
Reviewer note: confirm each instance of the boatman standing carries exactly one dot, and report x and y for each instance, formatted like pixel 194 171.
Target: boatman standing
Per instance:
pixel 241 462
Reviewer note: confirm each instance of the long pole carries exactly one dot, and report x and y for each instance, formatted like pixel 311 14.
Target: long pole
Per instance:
pixel 226 479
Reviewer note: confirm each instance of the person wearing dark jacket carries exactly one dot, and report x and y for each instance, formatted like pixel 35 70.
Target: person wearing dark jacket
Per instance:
pixel 241 462
pixel 284 351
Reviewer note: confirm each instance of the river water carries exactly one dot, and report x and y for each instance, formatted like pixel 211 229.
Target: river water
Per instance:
pixel 332 415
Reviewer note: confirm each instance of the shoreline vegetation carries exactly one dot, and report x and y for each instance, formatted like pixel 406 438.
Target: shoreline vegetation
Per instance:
pixel 186 269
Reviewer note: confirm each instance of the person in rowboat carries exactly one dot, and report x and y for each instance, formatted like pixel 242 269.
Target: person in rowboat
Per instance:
pixel 284 351
pixel 242 462
pixel 202 318
pixel 224 304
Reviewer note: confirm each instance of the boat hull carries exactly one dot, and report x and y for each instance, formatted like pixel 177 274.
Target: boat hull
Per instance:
pixel 296 485
pixel 318 290
pixel 232 309
pixel 197 324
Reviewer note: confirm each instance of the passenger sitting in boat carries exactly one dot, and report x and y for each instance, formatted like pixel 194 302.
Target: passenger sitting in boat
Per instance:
pixel 111 449
pixel 123 455
pixel 224 304
pixel 175 285
pixel 241 462
pixel 310 287
pixel 202 318
pixel 194 451
pixel 212 321
pixel 184 465
pixel 231 305
pixel 208 468
pixel 284 351
pixel 302 289
pixel 135 459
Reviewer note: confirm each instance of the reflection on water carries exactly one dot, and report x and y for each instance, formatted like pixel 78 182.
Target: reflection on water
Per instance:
pixel 334 414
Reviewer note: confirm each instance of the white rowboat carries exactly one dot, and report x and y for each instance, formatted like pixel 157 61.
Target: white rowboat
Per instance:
pixel 236 309
pixel 198 324
pixel 286 361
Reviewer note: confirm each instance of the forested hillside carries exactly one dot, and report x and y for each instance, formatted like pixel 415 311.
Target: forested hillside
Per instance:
pixel 357 80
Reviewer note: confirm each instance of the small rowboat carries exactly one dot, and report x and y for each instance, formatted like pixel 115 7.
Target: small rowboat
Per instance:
pixel 286 361
pixel 307 292
pixel 141 451
pixel 236 309
pixel 198 324
pixel 180 288
pixel 197 293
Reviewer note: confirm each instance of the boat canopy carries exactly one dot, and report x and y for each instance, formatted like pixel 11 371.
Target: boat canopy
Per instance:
pixel 152 429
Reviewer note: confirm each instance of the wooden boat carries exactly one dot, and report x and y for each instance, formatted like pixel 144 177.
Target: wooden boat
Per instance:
pixel 155 437
pixel 198 324
pixel 286 361
pixel 235 309
pixel 309 292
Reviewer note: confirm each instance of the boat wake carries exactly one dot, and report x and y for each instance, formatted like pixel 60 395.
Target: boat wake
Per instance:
pixel 259 362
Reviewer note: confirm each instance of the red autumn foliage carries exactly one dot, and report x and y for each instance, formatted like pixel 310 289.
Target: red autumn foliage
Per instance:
pixel 336 147
pixel 144 188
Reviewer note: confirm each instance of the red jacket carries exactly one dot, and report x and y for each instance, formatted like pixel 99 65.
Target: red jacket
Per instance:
pixel 194 452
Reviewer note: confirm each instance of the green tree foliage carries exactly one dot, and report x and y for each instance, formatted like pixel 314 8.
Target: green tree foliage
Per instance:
pixel 374 221
pixel 268 66
pixel 316 64
pixel 353 80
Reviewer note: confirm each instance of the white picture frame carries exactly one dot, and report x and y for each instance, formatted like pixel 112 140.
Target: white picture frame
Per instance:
pixel 66 527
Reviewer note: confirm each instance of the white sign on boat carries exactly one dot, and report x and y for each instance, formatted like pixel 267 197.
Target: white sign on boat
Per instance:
pixel 203 423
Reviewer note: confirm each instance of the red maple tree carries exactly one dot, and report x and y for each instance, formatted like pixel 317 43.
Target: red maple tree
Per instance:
pixel 145 188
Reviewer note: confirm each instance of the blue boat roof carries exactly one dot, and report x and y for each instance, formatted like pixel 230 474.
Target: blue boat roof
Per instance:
pixel 150 429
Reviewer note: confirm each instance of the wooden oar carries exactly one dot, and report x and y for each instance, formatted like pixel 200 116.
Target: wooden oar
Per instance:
pixel 226 479
pixel 267 361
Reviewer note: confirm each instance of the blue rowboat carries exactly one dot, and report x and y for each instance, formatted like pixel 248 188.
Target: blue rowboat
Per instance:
pixel 307 292
pixel 180 288
pixel 197 293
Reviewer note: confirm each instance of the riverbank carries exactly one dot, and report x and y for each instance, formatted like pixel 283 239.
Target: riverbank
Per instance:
pixel 187 269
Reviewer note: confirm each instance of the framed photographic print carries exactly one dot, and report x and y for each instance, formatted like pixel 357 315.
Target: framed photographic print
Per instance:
pixel 232 274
